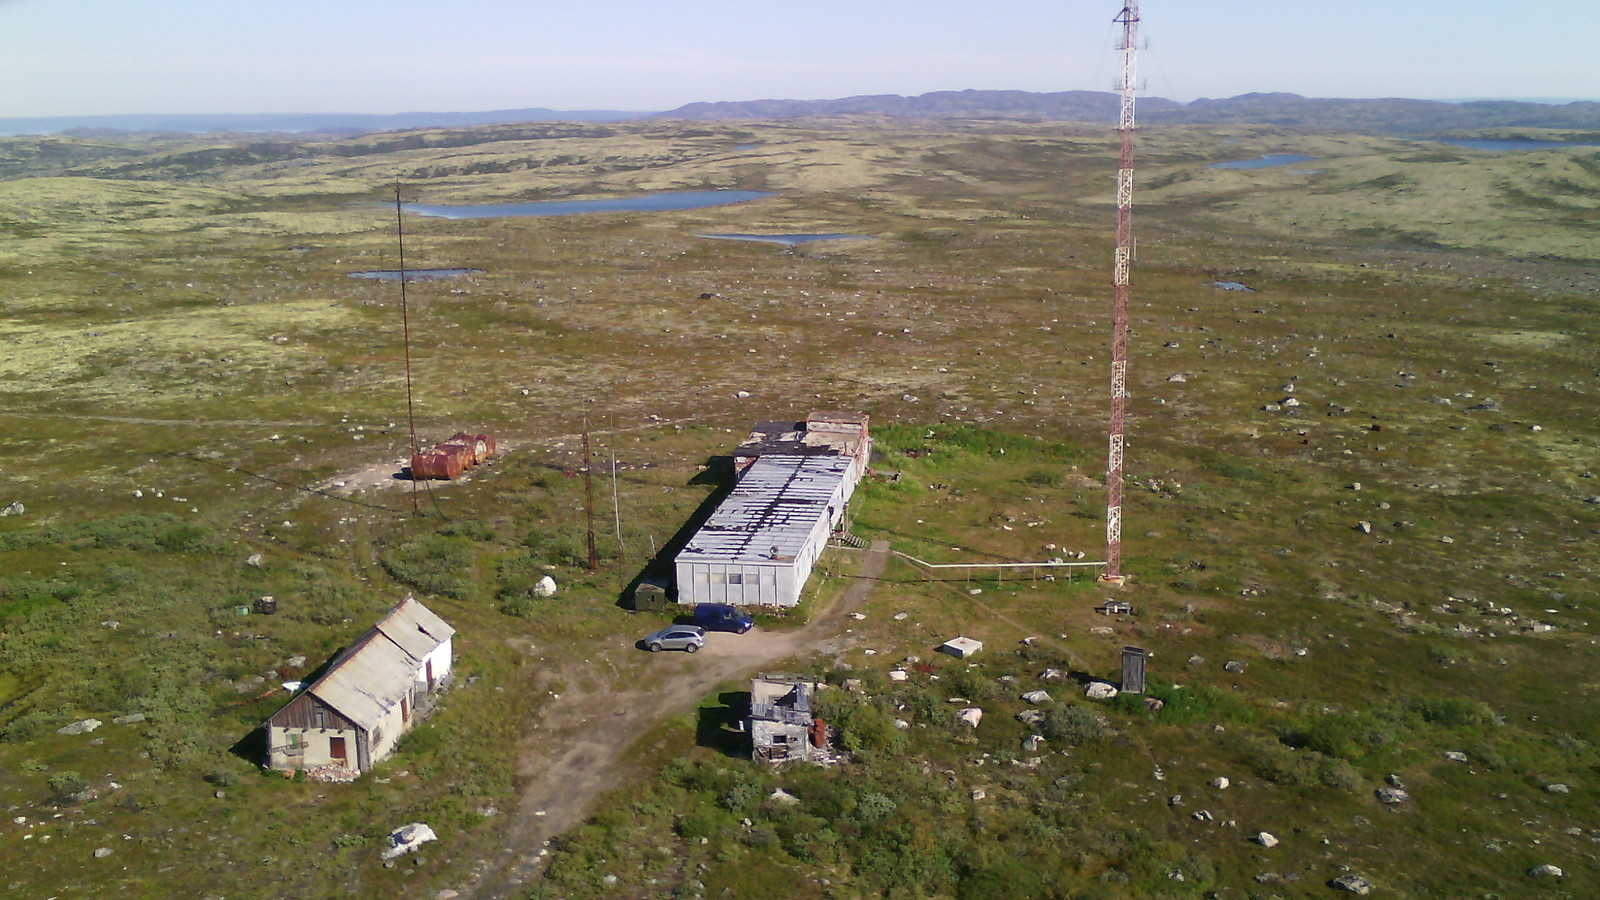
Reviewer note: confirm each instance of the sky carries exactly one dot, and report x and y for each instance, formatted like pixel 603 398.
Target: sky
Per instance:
pixel 104 57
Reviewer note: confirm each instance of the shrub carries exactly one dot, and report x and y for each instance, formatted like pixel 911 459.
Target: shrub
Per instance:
pixel 1074 725
pixel 65 784
pixel 1451 712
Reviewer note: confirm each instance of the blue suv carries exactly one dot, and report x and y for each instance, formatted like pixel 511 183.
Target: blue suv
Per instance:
pixel 722 617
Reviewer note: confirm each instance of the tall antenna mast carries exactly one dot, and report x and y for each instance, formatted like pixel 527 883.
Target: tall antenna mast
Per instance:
pixel 405 324
pixel 1129 20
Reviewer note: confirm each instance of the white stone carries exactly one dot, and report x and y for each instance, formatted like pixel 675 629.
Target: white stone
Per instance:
pixel 1036 697
pixel 1099 690
pixel 1266 839
pixel 1220 783
pixel 899 675
pixel 407 838
pixel 1546 871
pixel 545 588
pixel 970 716
pixel 784 797
pixel 83 726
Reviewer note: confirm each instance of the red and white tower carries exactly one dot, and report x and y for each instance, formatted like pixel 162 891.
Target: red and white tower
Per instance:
pixel 1129 20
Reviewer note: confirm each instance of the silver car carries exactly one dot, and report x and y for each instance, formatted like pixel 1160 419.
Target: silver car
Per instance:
pixel 689 638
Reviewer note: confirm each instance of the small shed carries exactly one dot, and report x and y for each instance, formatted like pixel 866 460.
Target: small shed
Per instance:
pixel 373 692
pixel 782 727
pixel 649 595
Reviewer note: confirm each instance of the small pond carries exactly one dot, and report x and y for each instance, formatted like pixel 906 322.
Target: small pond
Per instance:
pixel 660 202
pixel 1265 161
pixel 1515 145
pixel 415 274
pixel 787 240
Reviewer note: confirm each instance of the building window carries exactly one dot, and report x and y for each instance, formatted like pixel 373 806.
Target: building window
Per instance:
pixel 297 743
pixel 318 714
pixel 735 578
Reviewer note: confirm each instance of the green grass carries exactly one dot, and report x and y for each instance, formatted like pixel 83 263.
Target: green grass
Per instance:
pixel 145 287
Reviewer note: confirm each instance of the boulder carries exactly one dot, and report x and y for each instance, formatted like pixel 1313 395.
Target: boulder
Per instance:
pixel 970 716
pixel 83 726
pixel 129 719
pixel 1220 783
pixel 1557 788
pixel 1455 756
pixel 1030 717
pixel 1052 675
pixel 545 588
pixel 103 852
pixel 1392 796
pixel 1036 697
pixel 253 560
pixel 1233 665
pixel 783 797
pixel 1031 743
pixel 407 838
pixel 14 509
pixel 1352 884
pixel 1099 690
pixel 1266 839
pixel 1546 871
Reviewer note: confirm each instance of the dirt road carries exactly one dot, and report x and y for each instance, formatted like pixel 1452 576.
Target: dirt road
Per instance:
pixel 576 753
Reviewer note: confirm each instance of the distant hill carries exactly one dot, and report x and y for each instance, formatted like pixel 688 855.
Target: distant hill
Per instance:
pixel 1382 116
pixel 1090 106
pixel 296 123
pixel 1389 116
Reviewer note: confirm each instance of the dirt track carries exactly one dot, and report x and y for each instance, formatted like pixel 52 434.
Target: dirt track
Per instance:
pixel 577 751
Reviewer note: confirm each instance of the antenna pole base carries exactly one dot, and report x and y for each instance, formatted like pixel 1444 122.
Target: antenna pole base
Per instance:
pixel 1113 580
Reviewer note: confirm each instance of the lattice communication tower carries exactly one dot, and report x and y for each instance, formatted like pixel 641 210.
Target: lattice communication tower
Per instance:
pixel 1129 20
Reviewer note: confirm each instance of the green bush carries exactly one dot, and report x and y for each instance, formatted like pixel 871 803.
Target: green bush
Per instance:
pixel 63 785
pixel 1073 726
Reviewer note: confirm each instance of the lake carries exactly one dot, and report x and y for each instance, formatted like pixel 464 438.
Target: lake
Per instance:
pixel 1513 146
pixel 1266 161
pixel 665 201
pixel 415 274
pixel 787 240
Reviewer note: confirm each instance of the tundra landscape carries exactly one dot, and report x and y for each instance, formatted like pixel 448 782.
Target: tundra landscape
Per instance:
pixel 1361 521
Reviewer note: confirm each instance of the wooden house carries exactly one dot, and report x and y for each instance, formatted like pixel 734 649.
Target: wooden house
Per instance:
pixel 371 693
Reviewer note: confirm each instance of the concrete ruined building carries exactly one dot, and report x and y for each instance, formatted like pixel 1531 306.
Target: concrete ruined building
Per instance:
pixel 372 693
pixel 782 726
pixel 795 480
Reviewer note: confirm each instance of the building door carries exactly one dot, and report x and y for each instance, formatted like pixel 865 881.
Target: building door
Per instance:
pixel 430 676
pixel 337 751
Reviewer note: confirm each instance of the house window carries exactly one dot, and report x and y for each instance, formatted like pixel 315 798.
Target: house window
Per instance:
pixel 735 578
pixel 297 744
pixel 318 714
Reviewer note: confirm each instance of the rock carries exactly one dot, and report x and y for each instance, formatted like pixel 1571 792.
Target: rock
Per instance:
pixel 609 881
pixel 971 716
pixel 1394 780
pixel 1154 704
pixel 253 560
pixel 1175 800
pixel 979 794
pixel 1178 378
pixel 742 395
pixel 1036 697
pixel 1455 756
pixel 407 838
pixel 1352 884
pixel 1364 526
pixel 853 685
pixel 1266 839
pixel 129 719
pixel 447 894
pixel 103 852
pixel 1392 796
pixel 1031 743
pixel 1557 788
pixel 902 724
pixel 83 726
pixel 545 588
pixel 1220 783
pixel 1052 675
pixel 899 675
pixel 900 616
pixel 1099 690
pixel 1203 815
pixel 1233 665
pixel 1542 871
pixel 783 797
pixel 296 662
pixel 14 509
pixel 1197 660
pixel 1030 717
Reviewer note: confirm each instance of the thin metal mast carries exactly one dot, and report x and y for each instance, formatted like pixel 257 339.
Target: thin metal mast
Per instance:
pixel 405 324
pixel 588 495
pixel 1129 20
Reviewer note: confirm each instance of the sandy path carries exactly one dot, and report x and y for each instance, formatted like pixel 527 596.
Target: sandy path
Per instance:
pixel 577 751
